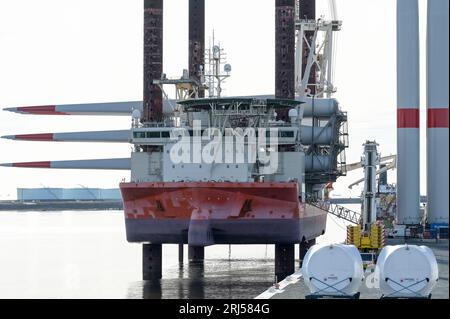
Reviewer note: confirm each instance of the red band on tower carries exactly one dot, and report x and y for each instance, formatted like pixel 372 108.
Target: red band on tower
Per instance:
pixel 408 118
pixel 438 118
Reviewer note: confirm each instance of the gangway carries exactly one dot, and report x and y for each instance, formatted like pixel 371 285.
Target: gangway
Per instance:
pixel 338 211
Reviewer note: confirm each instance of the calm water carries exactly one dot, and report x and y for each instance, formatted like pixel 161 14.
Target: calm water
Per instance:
pixel 85 255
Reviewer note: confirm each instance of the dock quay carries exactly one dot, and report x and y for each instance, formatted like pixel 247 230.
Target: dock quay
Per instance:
pixel 294 287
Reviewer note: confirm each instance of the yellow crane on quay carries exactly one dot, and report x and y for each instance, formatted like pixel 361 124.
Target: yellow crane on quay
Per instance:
pixel 369 235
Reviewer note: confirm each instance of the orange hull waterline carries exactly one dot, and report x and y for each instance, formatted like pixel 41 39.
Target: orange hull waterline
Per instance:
pixel 208 213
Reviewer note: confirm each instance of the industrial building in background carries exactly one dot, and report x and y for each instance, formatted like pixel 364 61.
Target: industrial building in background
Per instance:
pixel 67 194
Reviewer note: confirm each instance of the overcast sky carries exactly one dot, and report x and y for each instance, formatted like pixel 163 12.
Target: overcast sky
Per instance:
pixel 62 52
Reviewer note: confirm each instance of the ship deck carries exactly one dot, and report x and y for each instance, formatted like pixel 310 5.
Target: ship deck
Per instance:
pixel 294 287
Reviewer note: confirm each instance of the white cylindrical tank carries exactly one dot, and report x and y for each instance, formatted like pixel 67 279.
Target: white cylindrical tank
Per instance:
pixel 409 266
pixel 333 269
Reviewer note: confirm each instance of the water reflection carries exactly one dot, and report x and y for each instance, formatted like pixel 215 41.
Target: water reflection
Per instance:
pixel 196 280
pixel 92 259
pixel 213 279
pixel 151 289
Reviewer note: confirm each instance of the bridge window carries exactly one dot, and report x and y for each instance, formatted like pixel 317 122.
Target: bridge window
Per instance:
pixel 286 134
pixel 139 134
pixel 153 134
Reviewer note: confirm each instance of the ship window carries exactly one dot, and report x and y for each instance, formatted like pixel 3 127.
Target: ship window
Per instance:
pixel 269 133
pixel 139 134
pixel 165 134
pixel 287 134
pixel 153 134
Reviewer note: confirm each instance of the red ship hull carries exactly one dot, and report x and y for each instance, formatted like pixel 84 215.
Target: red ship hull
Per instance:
pixel 208 213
